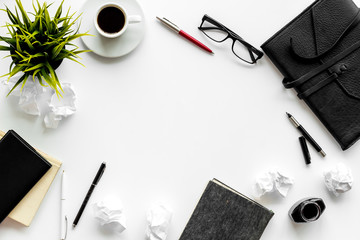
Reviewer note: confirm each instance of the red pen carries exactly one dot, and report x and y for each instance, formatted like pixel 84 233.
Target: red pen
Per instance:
pixel 175 28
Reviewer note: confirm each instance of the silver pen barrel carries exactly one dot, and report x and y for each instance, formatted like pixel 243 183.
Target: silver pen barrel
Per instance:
pixel 169 24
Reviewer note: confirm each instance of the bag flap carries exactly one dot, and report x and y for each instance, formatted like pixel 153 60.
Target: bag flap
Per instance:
pixel 329 20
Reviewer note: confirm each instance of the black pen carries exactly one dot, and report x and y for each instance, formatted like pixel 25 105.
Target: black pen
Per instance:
pixel 88 195
pixel 306 134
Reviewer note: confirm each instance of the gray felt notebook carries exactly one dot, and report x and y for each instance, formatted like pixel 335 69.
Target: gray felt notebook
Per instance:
pixel 225 214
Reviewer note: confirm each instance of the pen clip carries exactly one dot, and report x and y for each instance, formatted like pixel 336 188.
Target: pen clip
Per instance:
pixel 169 24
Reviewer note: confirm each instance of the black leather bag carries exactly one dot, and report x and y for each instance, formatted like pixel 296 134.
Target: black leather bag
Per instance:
pixel 318 54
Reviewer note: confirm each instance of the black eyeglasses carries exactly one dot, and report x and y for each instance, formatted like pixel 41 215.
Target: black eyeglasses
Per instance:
pixel 219 33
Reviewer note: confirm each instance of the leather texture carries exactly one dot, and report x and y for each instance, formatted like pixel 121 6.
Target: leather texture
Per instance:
pixel 21 167
pixel 318 54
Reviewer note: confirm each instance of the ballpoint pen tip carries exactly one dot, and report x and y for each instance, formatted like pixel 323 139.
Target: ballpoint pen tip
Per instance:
pixel 288 114
pixel 323 154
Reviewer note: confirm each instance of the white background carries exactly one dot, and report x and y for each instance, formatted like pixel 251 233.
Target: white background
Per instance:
pixel 169 117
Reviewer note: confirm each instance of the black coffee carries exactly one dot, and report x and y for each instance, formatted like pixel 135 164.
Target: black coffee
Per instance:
pixel 111 19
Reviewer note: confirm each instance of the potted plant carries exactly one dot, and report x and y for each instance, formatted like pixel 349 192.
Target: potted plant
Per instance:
pixel 39 43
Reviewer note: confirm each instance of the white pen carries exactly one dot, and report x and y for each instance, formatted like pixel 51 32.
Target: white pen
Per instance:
pixel 64 218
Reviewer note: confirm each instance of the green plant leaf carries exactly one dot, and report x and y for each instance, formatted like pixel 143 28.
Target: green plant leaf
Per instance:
pixel 27 41
pixel 36 67
pixel 38 75
pixel 73 59
pixel 59 11
pixel 47 18
pixel 12 17
pixel 14 71
pixel 75 36
pixel 23 77
pixel 4 48
pixel 45 76
pixel 10 29
pixel 18 53
pixel 24 81
pixel 81 51
pixel 34 74
pixel 57 50
pixel 34 44
pixel 25 17
pixel 52 74
pixel 18 48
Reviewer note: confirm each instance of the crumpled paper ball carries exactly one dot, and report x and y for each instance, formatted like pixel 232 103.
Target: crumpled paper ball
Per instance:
pixel 158 221
pixel 272 181
pixel 29 95
pixel 35 99
pixel 339 179
pixel 61 107
pixel 110 214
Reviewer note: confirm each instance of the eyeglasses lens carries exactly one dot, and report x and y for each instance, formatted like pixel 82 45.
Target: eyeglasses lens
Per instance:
pixel 213 32
pixel 243 52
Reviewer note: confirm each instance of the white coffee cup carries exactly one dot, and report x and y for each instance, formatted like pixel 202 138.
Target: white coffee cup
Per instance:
pixel 111 20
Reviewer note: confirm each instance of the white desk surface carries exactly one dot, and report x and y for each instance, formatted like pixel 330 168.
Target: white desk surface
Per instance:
pixel 169 117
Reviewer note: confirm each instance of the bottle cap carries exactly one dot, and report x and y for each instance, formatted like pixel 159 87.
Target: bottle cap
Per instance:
pixel 305 150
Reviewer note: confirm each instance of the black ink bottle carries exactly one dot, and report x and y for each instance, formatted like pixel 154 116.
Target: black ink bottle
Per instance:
pixel 307 210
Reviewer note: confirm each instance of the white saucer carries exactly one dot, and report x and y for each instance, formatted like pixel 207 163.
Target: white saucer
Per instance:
pixel 107 47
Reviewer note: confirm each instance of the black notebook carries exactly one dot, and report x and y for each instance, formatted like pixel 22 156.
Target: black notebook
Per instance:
pixel 21 167
pixel 318 53
pixel 225 214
